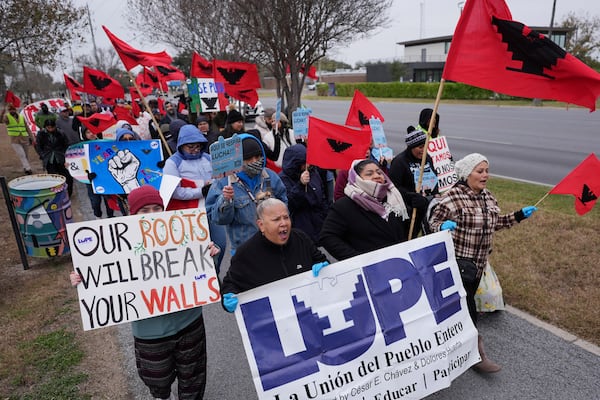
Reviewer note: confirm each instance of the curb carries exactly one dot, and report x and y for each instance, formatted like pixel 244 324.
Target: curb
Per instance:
pixel 561 333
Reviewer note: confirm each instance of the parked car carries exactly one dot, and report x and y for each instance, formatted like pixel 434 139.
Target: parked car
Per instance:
pixel 312 86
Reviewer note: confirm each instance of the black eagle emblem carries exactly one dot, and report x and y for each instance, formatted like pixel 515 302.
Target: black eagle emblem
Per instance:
pixel 587 195
pixel 95 122
pixel 165 70
pixel 146 151
pixel 210 103
pixel 536 51
pixel 232 76
pixel 206 69
pixel 362 118
pixel 100 82
pixel 75 84
pixel 338 146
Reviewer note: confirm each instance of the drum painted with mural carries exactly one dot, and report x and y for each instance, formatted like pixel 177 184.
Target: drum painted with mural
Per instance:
pixel 43 210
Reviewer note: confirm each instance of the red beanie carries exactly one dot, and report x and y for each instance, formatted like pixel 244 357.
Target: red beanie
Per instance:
pixel 143 196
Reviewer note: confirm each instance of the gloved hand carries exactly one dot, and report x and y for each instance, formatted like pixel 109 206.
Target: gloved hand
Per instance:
pixel 448 225
pixel 230 302
pixel 316 268
pixel 527 211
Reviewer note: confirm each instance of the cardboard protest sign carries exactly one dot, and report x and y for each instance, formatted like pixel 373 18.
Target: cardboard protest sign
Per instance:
pixel 77 159
pixel 204 93
pixel 142 266
pixel 226 156
pixel 382 325
pixel 380 148
pixel 122 166
pixel 300 122
pixel 442 162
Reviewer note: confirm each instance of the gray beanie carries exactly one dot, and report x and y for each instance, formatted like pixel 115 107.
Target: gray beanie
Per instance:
pixel 415 138
pixel 467 164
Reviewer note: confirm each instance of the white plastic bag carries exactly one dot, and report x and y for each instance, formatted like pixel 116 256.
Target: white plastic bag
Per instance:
pixel 488 297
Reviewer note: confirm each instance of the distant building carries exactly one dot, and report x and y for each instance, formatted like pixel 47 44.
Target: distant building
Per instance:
pixel 425 58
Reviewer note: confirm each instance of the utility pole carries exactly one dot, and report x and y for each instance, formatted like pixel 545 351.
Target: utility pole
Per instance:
pixel 552 20
pixel 93 38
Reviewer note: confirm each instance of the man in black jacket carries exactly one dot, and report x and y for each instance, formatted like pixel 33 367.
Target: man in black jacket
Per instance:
pixel 275 252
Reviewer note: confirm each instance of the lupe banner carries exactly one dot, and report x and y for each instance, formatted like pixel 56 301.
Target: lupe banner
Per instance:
pixel 388 324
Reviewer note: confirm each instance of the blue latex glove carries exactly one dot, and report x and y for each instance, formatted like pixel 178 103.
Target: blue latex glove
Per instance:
pixel 527 211
pixel 230 302
pixel 448 225
pixel 316 268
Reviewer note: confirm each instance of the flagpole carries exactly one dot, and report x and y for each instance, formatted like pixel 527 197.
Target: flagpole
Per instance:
pixel 147 107
pixel 542 199
pixel 424 157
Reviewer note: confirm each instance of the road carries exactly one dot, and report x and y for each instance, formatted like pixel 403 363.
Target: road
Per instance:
pixel 535 144
pixel 538 144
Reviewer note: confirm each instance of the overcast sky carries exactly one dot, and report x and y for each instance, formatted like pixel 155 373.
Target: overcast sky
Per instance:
pixel 409 20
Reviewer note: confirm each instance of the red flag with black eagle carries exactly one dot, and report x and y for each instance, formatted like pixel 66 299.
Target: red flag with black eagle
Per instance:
pixel 100 83
pixel 12 98
pixel 332 146
pixel 583 183
pixel 361 110
pixel 132 57
pixel 236 75
pixel 147 80
pixel 201 67
pixel 123 113
pixel 168 73
pixel 73 87
pixel 98 122
pixel 249 96
pixel 491 51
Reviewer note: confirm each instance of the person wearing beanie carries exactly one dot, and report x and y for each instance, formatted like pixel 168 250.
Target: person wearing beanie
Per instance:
pixel 211 135
pixel 160 356
pixel 425 118
pixel 192 162
pixel 232 200
pixel 404 172
pixel 234 124
pixel 471 212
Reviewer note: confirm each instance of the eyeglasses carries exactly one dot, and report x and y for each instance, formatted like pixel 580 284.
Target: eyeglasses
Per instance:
pixel 127 138
pixel 193 146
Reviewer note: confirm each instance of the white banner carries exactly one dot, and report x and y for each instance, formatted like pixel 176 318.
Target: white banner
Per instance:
pixel 141 266
pixel 384 325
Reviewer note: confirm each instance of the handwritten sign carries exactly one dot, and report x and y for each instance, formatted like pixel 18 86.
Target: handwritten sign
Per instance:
pixel 379 139
pixel 300 122
pixel 389 324
pixel 142 266
pixel 442 163
pixel 77 160
pixel 122 166
pixel 204 93
pixel 227 157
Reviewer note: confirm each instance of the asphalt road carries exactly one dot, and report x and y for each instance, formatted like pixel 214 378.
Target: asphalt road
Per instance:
pixel 540 362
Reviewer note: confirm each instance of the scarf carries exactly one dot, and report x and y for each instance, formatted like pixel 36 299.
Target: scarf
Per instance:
pixel 380 198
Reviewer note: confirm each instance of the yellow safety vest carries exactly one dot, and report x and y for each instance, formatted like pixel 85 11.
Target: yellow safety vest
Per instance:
pixel 14 127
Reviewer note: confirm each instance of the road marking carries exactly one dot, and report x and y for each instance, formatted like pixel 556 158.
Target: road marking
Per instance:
pixel 481 141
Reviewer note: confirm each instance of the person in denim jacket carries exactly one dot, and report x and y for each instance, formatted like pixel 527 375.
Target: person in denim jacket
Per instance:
pixel 232 200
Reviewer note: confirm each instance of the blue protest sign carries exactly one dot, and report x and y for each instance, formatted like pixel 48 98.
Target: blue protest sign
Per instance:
pixel 226 156
pixel 379 139
pixel 123 166
pixel 300 122
pixel 278 110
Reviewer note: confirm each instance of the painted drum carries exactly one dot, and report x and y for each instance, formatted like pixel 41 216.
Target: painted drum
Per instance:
pixel 43 210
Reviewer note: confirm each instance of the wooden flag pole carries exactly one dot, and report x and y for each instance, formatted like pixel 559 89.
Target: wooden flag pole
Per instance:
pixel 424 157
pixel 147 107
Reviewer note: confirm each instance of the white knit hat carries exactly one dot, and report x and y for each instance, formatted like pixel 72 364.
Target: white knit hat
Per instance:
pixel 467 164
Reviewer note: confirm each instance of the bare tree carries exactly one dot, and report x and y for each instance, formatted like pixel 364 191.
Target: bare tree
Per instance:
pixel 584 42
pixel 297 33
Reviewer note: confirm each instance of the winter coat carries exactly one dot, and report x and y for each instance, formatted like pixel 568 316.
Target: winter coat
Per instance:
pixel 51 147
pixel 308 205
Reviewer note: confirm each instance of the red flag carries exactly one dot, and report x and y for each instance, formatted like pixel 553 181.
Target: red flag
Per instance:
pixel 201 67
pixel 147 80
pixel 124 113
pixel 236 75
pixel 583 183
pixel 249 96
pixel 132 57
pixel 176 204
pixel 361 110
pixel 73 87
pixel 169 73
pixel 100 83
pixel 312 72
pixel 12 98
pixel 98 122
pixel 491 51
pixel 332 146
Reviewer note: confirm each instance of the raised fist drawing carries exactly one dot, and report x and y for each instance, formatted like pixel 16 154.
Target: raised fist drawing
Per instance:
pixel 124 167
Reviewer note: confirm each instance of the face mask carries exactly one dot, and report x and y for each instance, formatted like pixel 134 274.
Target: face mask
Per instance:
pixel 254 168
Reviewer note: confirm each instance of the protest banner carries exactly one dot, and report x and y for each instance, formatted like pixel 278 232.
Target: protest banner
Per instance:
pixel 440 153
pixel 142 266
pixel 300 122
pixel 383 325
pixel 226 156
pixel 31 109
pixel 204 93
pixel 380 148
pixel 122 166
